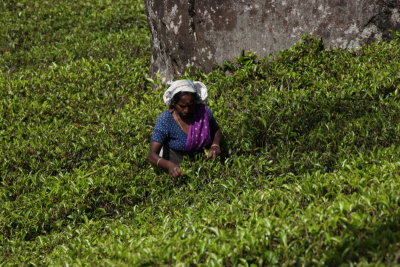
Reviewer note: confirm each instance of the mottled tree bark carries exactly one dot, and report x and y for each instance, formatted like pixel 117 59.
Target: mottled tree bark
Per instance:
pixel 203 33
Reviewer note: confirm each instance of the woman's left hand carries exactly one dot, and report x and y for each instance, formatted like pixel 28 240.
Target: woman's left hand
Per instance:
pixel 213 152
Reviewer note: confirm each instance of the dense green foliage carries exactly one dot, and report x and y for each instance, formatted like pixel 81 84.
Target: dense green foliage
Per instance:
pixel 313 174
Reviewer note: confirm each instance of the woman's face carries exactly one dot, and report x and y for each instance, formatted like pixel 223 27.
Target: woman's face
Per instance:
pixel 185 106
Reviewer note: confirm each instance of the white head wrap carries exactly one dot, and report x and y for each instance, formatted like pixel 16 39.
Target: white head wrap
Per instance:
pixel 185 86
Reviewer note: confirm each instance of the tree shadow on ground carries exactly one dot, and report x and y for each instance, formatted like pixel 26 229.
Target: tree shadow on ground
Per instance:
pixel 318 132
pixel 379 243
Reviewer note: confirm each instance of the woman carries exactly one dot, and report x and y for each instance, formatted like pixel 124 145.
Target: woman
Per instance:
pixel 185 128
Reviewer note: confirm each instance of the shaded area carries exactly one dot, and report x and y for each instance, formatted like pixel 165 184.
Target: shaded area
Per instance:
pixel 379 243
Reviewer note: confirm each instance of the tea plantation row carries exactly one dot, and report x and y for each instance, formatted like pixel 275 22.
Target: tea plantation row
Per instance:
pixel 312 176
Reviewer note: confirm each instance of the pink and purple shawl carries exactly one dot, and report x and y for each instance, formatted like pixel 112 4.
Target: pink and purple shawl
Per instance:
pixel 199 135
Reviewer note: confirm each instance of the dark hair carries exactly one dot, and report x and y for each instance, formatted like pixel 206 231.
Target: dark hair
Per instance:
pixel 175 99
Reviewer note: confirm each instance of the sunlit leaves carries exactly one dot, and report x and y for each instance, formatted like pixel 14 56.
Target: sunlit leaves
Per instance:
pixel 312 175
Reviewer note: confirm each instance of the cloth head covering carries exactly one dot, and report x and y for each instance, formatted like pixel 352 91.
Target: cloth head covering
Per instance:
pixel 185 86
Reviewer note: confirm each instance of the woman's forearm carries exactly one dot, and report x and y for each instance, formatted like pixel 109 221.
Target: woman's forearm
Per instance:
pixel 171 167
pixel 217 137
pixel 158 161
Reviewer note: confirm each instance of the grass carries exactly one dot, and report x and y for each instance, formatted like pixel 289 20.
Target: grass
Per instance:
pixel 312 176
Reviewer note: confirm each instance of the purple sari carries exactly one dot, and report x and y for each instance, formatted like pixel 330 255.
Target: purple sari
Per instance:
pixel 199 135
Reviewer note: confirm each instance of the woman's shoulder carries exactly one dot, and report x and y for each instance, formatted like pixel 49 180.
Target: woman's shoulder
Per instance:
pixel 209 111
pixel 164 117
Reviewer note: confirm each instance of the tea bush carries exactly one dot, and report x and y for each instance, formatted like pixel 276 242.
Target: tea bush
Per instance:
pixel 311 178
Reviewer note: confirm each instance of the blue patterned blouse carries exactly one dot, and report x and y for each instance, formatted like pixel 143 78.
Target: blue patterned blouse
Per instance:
pixel 167 131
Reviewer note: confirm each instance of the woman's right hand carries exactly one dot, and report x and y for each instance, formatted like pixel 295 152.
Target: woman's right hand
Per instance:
pixel 174 170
